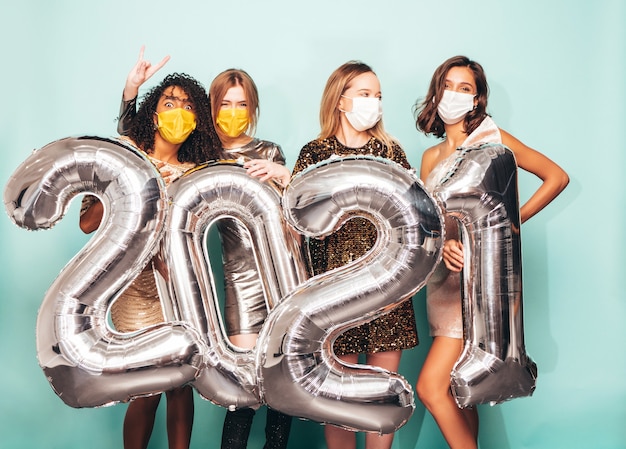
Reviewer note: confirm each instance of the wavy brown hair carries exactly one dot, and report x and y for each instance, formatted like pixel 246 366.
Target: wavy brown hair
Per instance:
pixel 202 145
pixel 427 119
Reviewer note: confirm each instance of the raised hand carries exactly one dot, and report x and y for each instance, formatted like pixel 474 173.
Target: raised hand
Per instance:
pixel 140 73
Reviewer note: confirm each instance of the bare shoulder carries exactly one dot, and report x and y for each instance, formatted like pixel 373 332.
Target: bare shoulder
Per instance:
pixel 430 158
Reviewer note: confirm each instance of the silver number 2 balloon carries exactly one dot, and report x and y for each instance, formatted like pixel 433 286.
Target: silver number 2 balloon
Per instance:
pixel 480 191
pixel 86 362
pixel 297 369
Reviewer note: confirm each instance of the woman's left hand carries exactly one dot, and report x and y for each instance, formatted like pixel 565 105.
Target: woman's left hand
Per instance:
pixel 266 170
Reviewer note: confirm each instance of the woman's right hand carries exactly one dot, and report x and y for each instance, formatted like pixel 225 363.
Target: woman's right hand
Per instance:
pixel 139 74
pixel 453 255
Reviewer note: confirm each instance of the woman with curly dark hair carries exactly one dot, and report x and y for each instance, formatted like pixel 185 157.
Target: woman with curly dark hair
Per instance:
pixel 173 127
pixel 234 111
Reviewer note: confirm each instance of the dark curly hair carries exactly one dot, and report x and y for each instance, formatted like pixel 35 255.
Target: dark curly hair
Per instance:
pixel 202 145
pixel 426 118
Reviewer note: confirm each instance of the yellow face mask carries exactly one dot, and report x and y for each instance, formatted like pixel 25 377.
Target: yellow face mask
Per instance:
pixel 233 121
pixel 175 125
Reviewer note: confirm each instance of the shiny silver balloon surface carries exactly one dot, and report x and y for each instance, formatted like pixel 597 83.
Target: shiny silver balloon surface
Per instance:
pixel 86 362
pixel 199 199
pixel 298 371
pixel 479 189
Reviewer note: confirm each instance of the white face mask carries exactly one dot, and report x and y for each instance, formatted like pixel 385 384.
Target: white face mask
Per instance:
pixel 454 106
pixel 366 112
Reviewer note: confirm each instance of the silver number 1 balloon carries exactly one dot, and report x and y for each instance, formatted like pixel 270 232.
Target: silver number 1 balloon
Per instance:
pixel 480 191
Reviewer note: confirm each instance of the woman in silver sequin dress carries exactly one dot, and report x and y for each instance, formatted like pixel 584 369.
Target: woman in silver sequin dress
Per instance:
pixel 350 118
pixel 178 98
pixel 455 109
pixel 235 112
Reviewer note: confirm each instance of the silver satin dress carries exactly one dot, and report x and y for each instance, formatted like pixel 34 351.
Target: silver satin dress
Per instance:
pixel 443 291
pixel 245 308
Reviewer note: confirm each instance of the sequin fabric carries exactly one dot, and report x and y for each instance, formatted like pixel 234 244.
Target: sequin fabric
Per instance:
pixel 396 329
pixel 139 305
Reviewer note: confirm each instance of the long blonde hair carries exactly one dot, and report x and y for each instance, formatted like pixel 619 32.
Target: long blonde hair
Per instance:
pixel 330 115
pixel 231 78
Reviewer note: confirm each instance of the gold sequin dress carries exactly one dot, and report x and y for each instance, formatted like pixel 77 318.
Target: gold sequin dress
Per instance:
pixel 139 306
pixel 396 329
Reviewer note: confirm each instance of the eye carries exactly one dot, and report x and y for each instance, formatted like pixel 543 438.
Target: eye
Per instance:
pixel 242 105
pixel 169 104
pixel 189 107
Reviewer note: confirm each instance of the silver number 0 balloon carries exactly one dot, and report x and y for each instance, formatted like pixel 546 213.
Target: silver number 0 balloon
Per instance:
pixel 297 370
pixel 480 191
pixel 86 363
pixel 200 198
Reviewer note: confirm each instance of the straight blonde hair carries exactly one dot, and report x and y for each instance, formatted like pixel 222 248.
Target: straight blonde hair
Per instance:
pixel 330 115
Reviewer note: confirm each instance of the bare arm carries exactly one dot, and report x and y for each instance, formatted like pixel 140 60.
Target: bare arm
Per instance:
pixel 139 74
pixel 91 218
pixel 554 177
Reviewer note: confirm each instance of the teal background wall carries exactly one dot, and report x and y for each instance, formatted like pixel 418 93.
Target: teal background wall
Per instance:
pixel 557 71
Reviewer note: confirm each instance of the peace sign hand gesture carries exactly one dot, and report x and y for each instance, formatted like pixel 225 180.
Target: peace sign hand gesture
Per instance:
pixel 140 73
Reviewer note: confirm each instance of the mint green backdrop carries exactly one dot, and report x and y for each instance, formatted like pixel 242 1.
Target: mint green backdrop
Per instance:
pixel 557 73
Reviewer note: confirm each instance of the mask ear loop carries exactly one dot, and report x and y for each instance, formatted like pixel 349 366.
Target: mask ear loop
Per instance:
pixel 341 110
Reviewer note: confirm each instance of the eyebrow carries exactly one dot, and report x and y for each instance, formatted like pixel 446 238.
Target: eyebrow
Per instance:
pixel 369 90
pixel 174 97
pixel 464 83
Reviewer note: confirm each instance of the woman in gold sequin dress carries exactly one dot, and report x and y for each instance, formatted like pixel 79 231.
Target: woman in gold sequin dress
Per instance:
pixel 455 109
pixel 174 150
pixel 235 110
pixel 350 118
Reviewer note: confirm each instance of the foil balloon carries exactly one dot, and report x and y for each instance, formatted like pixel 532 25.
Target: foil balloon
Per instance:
pixel 480 191
pixel 86 362
pixel 298 371
pixel 224 190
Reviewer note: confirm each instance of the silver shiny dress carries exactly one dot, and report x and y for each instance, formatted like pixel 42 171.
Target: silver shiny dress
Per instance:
pixel 443 291
pixel 245 307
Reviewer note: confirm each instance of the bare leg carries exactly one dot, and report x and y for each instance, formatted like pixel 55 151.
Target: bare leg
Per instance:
pixel 458 427
pixel 139 421
pixel 179 417
pixel 245 341
pixel 389 360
